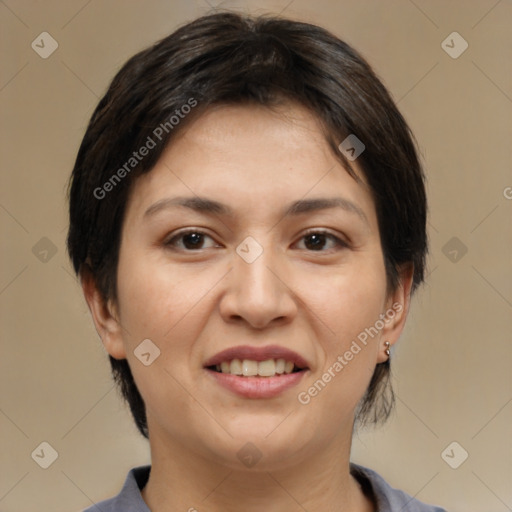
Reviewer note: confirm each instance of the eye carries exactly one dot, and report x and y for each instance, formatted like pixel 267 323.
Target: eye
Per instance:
pixel 316 240
pixel 191 239
pixel 194 239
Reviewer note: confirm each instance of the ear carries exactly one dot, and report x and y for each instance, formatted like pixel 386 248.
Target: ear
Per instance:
pixel 397 309
pixel 103 314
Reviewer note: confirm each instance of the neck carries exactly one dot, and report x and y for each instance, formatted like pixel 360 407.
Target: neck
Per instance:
pixel 180 479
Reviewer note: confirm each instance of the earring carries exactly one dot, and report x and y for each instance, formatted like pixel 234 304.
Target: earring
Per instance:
pixel 387 351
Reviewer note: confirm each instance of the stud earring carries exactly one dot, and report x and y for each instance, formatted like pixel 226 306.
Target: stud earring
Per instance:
pixel 387 351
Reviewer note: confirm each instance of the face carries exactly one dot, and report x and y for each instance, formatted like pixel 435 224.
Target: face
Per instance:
pixel 260 271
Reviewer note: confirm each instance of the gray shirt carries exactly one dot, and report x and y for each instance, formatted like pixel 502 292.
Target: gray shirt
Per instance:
pixel 374 486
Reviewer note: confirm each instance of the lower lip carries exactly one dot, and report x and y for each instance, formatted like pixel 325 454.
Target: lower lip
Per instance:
pixel 257 387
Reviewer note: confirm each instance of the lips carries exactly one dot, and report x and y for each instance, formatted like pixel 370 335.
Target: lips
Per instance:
pixel 257 372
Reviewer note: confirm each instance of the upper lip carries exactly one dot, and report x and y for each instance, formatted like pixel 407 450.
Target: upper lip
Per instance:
pixel 257 354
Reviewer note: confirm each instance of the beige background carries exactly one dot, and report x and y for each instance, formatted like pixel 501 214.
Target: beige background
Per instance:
pixel 452 365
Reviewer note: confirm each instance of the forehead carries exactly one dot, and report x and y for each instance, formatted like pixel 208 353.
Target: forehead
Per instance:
pixel 252 157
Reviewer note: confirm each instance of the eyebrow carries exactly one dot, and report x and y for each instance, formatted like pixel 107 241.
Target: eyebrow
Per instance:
pixel 212 207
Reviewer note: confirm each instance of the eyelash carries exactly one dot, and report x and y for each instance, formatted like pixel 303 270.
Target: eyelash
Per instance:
pixel 172 241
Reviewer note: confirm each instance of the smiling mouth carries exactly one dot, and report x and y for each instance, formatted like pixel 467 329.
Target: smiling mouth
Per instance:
pixel 251 368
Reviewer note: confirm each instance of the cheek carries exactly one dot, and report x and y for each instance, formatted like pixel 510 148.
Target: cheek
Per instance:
pixel 357 312
pixel 357 298
pixel 163 303
pixel 153 297
pixel 351 349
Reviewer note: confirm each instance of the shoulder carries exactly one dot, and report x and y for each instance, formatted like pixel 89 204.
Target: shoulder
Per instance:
pixel 129 498
pixel 387 498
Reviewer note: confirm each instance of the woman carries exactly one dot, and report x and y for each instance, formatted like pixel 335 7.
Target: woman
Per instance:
pixel 247 218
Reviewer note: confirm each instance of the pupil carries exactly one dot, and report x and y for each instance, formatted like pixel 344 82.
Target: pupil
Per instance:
pixel 196 239
pixel 319 240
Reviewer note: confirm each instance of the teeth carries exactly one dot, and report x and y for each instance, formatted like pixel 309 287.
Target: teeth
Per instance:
pixel 250 368
pixel 235 367
pixel 280 366
pixel 267 368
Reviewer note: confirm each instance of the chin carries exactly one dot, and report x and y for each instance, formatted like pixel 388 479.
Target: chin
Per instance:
pixel 260 446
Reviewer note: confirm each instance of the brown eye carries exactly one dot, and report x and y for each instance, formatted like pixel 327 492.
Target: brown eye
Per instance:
pixel 316 241
pixel 188 240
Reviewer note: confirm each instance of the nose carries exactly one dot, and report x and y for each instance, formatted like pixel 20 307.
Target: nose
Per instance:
pixel 258 292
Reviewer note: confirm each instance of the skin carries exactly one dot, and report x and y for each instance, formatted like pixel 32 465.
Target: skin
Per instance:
pixel 194 302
